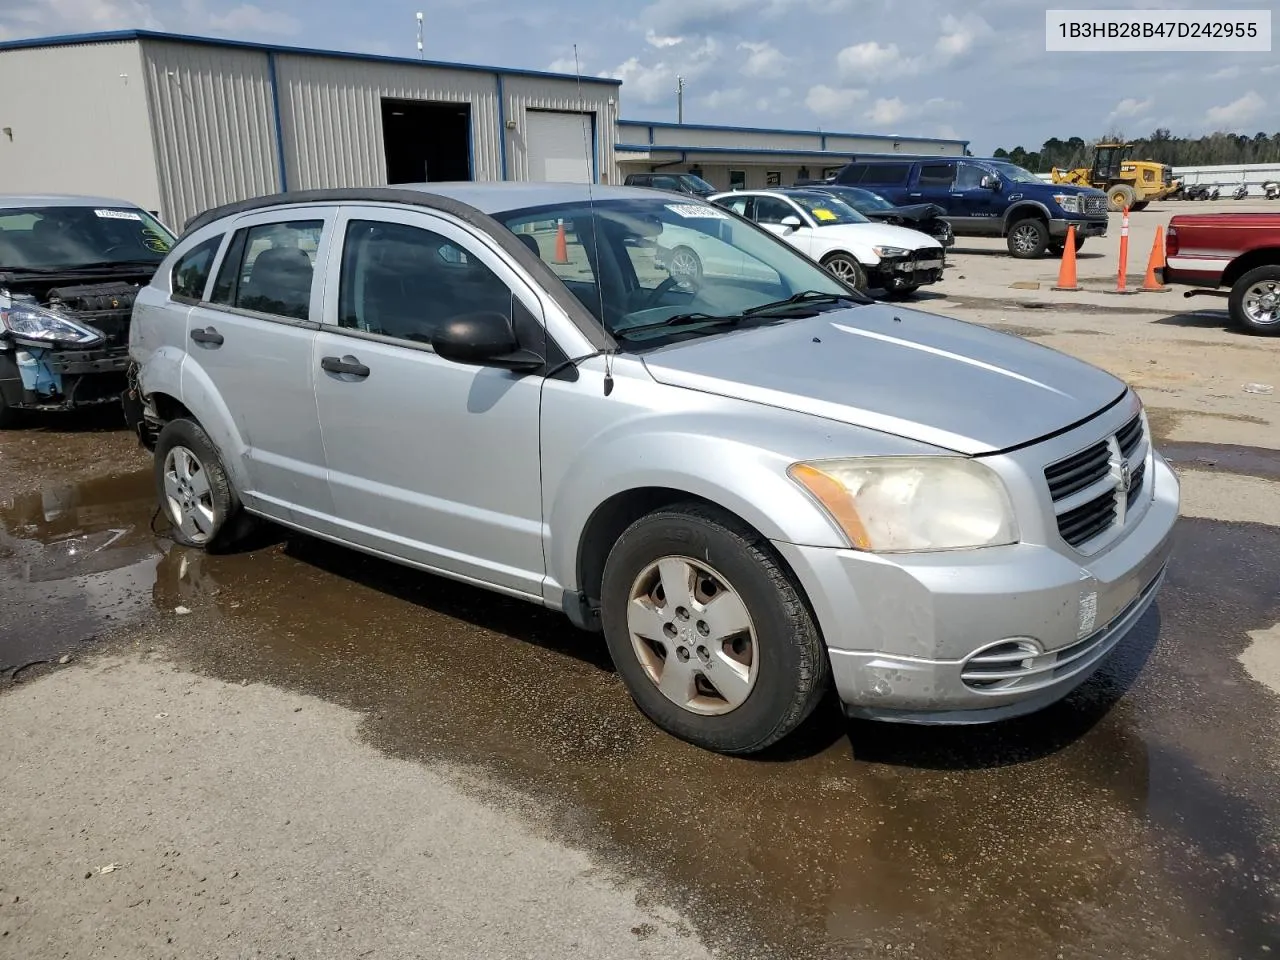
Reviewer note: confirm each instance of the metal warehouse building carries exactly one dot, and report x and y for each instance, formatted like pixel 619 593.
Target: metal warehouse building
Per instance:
pixel 180 124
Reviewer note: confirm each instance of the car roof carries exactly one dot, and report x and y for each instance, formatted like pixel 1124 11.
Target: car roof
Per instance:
pixel 24 200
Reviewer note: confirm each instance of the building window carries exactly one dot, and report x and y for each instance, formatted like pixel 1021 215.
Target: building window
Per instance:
pixel 737 179
pixel 773 178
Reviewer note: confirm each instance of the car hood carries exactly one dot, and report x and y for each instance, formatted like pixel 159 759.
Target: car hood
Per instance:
pixel 932 379
pixel 875 234
pixel 912 211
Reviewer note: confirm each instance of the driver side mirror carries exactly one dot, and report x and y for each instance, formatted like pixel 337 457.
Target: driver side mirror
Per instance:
pixel 792 222
pixel 485 340
pixel 989 182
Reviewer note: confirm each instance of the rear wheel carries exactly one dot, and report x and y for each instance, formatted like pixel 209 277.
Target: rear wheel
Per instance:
pixel 684 265
pixel 708 631
pixel 845 268
pixel 1255 300
pixel 1121 196
pixel 195 492
pixel 1028 238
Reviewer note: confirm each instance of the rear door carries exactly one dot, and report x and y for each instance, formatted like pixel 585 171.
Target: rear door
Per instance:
pixel 249 353
pixel 932 184
pixel 889 179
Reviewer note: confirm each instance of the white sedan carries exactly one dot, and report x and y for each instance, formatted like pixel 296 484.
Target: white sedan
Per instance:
pixel 862 253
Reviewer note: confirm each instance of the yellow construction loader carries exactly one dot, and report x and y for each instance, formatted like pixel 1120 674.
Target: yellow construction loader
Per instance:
pixel 1128 183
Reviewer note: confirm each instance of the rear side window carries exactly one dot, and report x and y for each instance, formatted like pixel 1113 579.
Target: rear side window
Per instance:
pixel 269 269
pixel 936 175
pixel 191 272
pixel 886 174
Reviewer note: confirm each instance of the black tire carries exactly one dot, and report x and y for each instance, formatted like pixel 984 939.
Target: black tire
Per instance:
pixel 1236 304
pixel 1028 238
pixel 1120 196
pixel 229 524
pixel 793 670
pixel 690 262
pixel 1139 205
pixel 847 269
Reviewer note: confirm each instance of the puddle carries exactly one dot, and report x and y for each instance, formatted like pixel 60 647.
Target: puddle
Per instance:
pixel 1137 818
pixel 1225 457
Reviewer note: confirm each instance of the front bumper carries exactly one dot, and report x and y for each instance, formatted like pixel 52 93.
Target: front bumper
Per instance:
pixel 1084 228
pixel 903 631
pixel 894 274
pixel 62 379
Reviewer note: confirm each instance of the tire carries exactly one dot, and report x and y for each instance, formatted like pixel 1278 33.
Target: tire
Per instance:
pixel 212 517
pixel 1260 284
pixel 1028 238
pixel 1139 205
pixel 788 669
pixel 1121 196
pixel 685 265
pixel 845 268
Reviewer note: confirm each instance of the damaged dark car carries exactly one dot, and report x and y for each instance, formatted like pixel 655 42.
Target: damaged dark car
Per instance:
pixel 925 217
pixel 70 268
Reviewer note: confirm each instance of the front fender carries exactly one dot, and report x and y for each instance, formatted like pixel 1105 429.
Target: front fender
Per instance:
pixel 1021 208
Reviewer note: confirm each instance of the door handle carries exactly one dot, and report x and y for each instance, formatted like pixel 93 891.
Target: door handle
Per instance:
pixel 346 366
pixel 209 336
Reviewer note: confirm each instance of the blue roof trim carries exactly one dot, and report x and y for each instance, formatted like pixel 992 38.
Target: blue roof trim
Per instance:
pixel 668 125
pixel 845 155
pixel 117 36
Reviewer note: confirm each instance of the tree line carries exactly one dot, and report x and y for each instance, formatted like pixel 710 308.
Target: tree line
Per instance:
pixel 1162 146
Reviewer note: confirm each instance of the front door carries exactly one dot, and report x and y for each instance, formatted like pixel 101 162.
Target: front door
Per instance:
pixel 429 460
pixel 249 351
pixel 977 209
pixel 769 212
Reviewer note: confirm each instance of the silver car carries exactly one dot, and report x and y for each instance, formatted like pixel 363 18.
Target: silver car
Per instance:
pixel 758 488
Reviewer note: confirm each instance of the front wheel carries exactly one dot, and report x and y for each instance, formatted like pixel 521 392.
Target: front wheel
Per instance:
pixel 1255 300
pixel 1028 239
pixel 708 631
pixel 195 492
pixel 845 268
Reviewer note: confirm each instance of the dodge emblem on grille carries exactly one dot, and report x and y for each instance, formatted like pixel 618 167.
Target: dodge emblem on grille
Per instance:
pixel 1126 476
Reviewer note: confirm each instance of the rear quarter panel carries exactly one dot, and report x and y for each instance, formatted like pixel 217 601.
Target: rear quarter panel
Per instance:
pixel 1210 245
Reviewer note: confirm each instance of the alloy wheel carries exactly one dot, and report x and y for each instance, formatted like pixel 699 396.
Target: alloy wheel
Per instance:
pixel 188 496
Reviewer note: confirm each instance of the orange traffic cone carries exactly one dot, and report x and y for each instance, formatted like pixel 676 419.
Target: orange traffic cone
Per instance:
pixel 1154 282
pixel 562 246
pixel 1067 272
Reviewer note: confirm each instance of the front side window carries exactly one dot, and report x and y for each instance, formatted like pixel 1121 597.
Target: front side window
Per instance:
pixel 269 269
pixel 773 211
pixel 827 210
pixel 67 237
pixel 1011 171
pixel 191 272
pixel 407 282
pixel 969 176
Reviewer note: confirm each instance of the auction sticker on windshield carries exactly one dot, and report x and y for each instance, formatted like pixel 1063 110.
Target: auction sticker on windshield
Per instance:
pixel 693 210
pixel 822 213
pixel 118 215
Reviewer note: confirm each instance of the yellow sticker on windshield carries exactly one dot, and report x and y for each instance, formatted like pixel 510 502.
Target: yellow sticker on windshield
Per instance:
pixel 155 240
pixel 822 213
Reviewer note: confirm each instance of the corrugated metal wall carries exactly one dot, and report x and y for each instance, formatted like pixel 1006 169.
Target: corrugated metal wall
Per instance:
pixel 536 93
pixel 331 111
pixel 78 117
pixel 213 125
pixel 887 145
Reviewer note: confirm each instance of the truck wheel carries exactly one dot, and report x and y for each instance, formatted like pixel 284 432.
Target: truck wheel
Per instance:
pixel 1255 300
pixel 846 268
pixel 1028 238
pixel 1139 205
pixel 1121 196
pixel 708 631
pixel 195 493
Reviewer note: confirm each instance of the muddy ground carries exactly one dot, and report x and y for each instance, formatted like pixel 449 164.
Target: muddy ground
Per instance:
pixel 299 751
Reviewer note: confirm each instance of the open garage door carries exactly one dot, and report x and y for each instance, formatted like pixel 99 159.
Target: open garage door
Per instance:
pixel 561 146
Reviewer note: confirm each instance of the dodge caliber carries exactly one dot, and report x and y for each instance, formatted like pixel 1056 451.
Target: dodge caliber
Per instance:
pixel 759 486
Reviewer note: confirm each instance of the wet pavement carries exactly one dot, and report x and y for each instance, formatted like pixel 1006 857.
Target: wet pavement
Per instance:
pixel 1137 818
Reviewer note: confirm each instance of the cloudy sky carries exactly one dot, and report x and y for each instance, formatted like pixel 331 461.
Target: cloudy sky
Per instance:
pixel 976 69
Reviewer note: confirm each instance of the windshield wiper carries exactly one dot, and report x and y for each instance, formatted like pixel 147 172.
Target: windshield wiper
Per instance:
pixel 113 265
pixel 681 320
pixel 806 296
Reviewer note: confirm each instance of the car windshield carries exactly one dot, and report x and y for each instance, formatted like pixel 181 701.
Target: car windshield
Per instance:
pixel 1011 171
pixel 862 200
pixel 651 268
pixel 67 237
pixel 826 209
pixel 697 184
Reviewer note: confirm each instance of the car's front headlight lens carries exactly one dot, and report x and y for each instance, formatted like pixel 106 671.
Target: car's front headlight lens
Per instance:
pixel 1068 202
pixel 910 504
pixel 891 251
pixel 36 323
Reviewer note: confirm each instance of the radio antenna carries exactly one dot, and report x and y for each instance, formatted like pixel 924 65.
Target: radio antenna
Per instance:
pixel 591 206
pixel 420 53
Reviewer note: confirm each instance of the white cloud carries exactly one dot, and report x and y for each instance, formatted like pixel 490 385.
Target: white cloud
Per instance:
pixel 832 101
pixel 248 18
pixel 871 61
pixel 719 99
pixel 763 60
pixel 781 100
pixel 946 131
pixel 891 110
pixel 654 83
pixel 564 65
pixel 654 40
pixel 1236 112
pixel 894 109
pixel 1226 73
pixel 1130 107
pixel 961 35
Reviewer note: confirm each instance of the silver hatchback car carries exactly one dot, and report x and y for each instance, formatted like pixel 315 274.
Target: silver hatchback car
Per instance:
pixel 758 485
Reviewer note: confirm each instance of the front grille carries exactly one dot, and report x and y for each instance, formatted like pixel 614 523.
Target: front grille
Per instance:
pixel 1095 206
pixel 1088 488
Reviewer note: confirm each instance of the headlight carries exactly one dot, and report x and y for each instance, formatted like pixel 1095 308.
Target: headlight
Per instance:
pixel 891 252
pixel 910 504
pixel 35 323
pixel 1069 203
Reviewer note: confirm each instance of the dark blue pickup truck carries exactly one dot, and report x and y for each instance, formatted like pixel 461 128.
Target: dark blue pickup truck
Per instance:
pixel 986 198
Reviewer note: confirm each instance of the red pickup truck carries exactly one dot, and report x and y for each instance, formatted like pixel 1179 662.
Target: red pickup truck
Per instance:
pixel 1236 251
